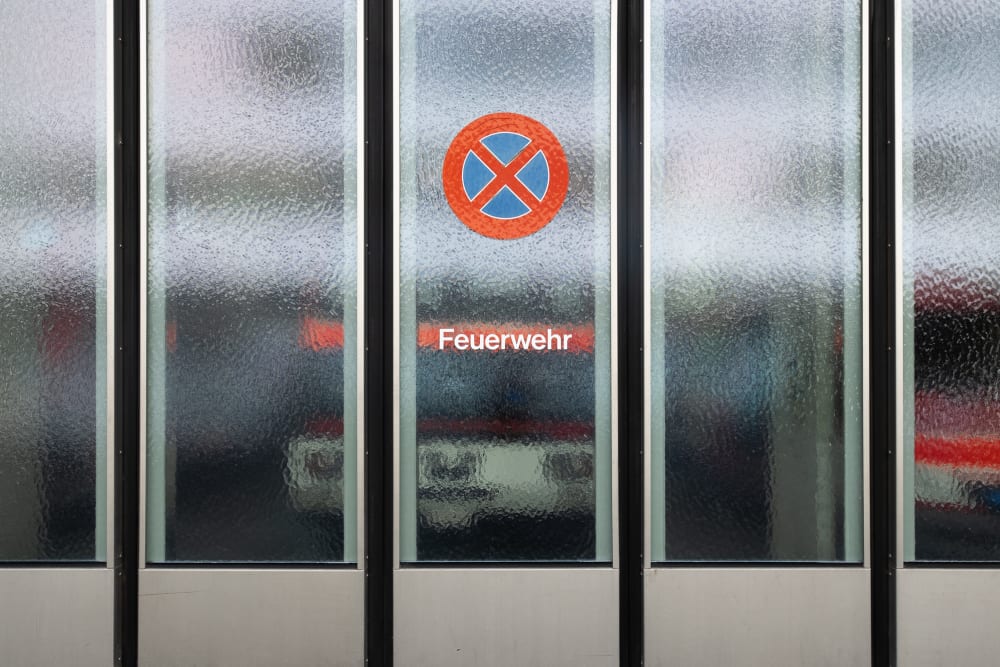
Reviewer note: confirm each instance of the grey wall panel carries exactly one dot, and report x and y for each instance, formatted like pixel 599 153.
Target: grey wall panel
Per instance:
pixel 251 618
pixel 947 617
pixel 758 618
pixel 57 617
pixel 499 618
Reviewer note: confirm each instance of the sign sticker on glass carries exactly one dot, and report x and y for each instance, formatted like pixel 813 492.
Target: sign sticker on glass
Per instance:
pixel 505 176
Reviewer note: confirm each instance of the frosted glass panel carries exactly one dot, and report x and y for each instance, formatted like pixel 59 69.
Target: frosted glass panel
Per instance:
pixel 251 426
pixel 505 259
pixel 53 151
pixel 951 81
pixel 756 280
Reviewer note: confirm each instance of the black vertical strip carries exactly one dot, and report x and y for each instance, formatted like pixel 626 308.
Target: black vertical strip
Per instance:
pixel 126 328
pixel 882 333
pixel 631 288
pixel 378 334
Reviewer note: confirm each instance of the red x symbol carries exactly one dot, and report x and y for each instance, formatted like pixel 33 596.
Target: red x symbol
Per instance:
pixel 506 174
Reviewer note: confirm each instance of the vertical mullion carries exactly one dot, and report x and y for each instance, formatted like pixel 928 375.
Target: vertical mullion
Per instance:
pixel 882 341
pixel 126 327
pixel 631 288
pixel 378 464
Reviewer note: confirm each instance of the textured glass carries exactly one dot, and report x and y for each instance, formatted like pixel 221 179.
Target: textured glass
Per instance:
pixel 756 280
pixel 951 132
pixel 53 151
pixel 505 455
pixel 251 429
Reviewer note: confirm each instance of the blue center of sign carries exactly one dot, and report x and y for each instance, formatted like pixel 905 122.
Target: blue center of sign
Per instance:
pixel 505 147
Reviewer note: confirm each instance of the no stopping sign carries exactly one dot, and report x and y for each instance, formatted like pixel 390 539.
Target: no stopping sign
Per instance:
pixel 505 175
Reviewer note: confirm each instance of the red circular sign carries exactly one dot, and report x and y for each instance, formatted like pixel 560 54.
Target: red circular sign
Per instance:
pixel 505 175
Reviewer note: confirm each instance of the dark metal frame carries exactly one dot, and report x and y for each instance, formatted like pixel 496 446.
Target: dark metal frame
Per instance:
pixel 631 332
pixel 379 353
pixel 127 339
pixel 882 322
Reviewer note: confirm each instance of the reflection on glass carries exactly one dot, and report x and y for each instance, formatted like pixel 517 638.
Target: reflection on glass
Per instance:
pixel 756 281
pixel 505 455
pixel 52 286
pixel 251 426
pixel 951 76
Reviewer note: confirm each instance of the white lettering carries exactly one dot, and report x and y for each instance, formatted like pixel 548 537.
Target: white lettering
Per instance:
pixel 442 339
pixel 521 341
pixel 448 337
pixel 553 338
